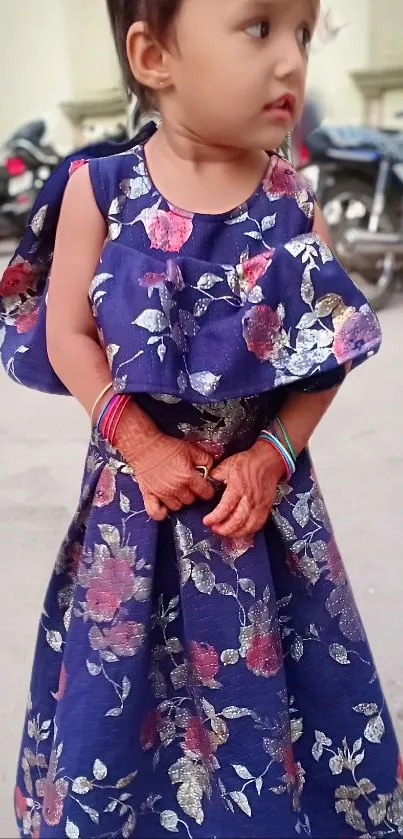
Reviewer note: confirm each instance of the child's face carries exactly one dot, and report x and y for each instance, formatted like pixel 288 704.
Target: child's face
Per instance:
pixel 234 59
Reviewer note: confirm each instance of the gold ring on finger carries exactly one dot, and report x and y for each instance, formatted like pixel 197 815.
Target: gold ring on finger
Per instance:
pixel 204 472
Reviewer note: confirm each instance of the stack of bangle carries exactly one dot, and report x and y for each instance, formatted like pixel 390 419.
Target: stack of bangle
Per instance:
pixel 111 414
pixel 285 450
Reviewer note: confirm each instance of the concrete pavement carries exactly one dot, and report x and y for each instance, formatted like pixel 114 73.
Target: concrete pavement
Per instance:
pixel 359 457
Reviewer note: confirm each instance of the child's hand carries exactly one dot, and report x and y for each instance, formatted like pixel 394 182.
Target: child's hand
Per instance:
pixel 166 472
pixel 252 479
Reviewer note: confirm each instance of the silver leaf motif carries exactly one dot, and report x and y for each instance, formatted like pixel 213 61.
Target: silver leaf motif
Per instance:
pixel 336 764
pixel 39 220
pixel 100 771
pixel 188 323
pixel 115 230
pixel 203 578
pixel 169 821
pixel 129 826
pixel 161 352
pixel 82 786
pixel 152 320
pixel 248 586
pixel 135 187
pixel 204 383
pixel 241 800
pixel 208 281
pixel 256 295
pixel 229 657
pixel 242 772
pixel 54 640
pixel 117 205
pixel 375 730
pixel 368 709
pixel 268 222
pixel 72 831
pixel 339 654
pixel 297 650
pixel 307 289
pixel 201 307
pixel 326 305
pixel 110 535
pixel 234 713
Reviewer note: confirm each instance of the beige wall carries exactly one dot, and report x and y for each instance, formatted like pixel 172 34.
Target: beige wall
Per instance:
pixel 331 64
pixel 386 33
pixel 52 51
pixel 89 47
pixel 34 74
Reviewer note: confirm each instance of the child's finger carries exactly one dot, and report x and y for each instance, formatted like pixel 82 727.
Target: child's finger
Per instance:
pixel 237 521
pixel 225 508
pixel 155 509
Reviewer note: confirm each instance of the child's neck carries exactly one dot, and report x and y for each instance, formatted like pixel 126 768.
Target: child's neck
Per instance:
pixel 199 177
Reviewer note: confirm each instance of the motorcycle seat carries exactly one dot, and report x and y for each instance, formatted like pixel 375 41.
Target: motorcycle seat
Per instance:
pixel 351 137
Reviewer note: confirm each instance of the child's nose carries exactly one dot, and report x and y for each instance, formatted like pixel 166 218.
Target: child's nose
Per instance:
pixel 290 60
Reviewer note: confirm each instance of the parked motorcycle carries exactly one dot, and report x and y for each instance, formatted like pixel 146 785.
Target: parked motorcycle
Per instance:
pixel 25 164
pixel 357 174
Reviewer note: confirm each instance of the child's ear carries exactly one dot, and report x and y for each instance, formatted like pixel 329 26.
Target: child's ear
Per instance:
pixel 146 58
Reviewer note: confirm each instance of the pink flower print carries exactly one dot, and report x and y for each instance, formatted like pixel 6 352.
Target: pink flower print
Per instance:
pixel 290 767
pixel 125 639
pixel 261 330
pixel 265 655
pixel 76 164
pixel 204 660
pixel 354 334
pixel 152 280
pixel 235 548
pixel 102 603
pixel 75 557
pixel 17 279
pixel 62 684
pixel 168 231
pixel 337 573
pixel 174 275
pixel 53 795
pixel 281 180
pixel 27 319
pixel 399 773
pixel 20 804
pixel 255 268
pixel 106 592
pixel 106 488
pixel 198 741
pixel 149 730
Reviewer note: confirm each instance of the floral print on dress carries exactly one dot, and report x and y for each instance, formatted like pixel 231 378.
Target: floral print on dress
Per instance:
pixel 222 687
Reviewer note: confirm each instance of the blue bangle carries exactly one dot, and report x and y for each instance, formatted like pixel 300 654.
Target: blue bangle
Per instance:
pixel 286 438
pixel 270 438
pixel 102 414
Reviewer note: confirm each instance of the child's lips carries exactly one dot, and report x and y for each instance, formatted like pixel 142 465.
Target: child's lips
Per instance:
pixel 285 104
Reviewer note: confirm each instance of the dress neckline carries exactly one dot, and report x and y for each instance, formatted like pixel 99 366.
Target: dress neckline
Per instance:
pixel 230 215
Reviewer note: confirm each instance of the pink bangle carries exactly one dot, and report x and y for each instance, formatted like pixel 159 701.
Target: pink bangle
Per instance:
pixel 109 415
pixel 114 426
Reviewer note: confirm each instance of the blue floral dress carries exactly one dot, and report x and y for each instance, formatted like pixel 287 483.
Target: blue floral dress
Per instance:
pixel 185 684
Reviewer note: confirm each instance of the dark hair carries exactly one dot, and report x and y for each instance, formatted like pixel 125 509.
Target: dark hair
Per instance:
pixel 157 14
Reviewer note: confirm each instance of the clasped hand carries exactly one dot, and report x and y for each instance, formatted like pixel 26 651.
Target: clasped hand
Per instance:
pixel 167 476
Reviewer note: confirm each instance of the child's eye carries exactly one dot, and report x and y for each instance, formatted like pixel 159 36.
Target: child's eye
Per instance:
pixel 305 37
pixel 259 30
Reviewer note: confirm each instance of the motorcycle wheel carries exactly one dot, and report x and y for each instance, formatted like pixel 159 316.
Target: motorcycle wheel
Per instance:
pixel 348 203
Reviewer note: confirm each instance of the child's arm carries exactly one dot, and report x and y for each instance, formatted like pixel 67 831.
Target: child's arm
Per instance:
pixel 165 467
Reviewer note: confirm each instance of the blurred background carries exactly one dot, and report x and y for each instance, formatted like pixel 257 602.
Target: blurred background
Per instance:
pixel 60 89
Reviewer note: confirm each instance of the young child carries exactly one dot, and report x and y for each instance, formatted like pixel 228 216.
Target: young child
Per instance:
pixel 201 668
